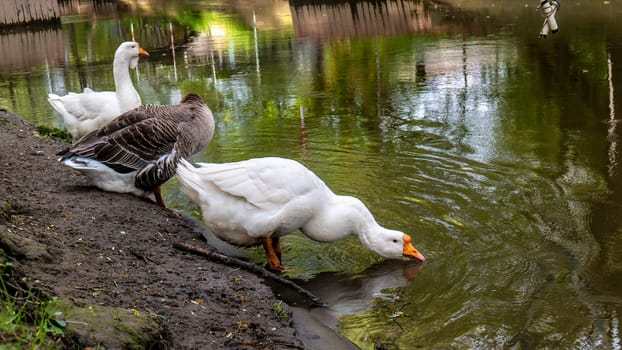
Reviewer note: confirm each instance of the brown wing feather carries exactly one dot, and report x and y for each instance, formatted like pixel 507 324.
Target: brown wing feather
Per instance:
pixel 185 145
pixel 149 139
pixel 132 140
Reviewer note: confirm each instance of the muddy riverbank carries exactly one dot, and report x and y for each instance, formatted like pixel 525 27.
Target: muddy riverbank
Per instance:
pixel 114 255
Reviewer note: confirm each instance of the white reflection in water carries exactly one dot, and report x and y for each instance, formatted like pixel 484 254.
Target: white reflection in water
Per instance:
pixel 345 295
pixel 613 122
pixel 615 332
pixel 457 100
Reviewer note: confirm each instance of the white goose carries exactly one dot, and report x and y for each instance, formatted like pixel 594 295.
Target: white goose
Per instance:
pixel 89 110
pixel 139 150
pixel 259 200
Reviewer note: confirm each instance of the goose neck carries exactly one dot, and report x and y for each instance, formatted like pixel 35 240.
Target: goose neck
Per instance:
pixel 122 78
pixel 340 218
pixel 126 93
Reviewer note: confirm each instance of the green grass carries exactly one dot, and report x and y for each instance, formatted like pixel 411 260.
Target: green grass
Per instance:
pixel 279 310
pixel 26 320
pixel 46 131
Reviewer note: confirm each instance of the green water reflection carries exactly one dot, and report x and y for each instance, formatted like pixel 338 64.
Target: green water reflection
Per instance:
pixel 498 152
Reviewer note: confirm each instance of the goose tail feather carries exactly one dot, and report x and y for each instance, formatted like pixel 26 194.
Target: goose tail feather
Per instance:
pixel 189 180
pixel 57 103
pixel 69 120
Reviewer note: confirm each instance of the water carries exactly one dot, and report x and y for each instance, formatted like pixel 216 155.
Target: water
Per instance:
pixel 497 151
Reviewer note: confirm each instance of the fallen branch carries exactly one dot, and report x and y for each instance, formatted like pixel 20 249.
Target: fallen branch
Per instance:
pixel 258 270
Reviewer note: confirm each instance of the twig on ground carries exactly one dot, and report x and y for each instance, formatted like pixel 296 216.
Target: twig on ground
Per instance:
pixel 258 270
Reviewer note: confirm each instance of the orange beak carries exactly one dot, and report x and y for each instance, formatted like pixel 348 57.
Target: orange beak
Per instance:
pixel 410 251
pixel 142 52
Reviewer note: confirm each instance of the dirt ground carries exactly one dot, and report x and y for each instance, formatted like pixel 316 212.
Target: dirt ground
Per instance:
pixel 113 255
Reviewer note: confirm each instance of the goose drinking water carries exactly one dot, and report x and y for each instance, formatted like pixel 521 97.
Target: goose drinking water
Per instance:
pixel 259 200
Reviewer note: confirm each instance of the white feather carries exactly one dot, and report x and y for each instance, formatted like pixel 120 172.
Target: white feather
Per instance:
pixel 103 176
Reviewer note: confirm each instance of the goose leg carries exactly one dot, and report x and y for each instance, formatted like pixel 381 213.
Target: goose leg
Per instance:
pixel 274 263
pixel 157 192
pixel 276 245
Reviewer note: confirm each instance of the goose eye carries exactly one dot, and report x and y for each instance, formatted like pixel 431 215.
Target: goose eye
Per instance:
pixel 395 241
